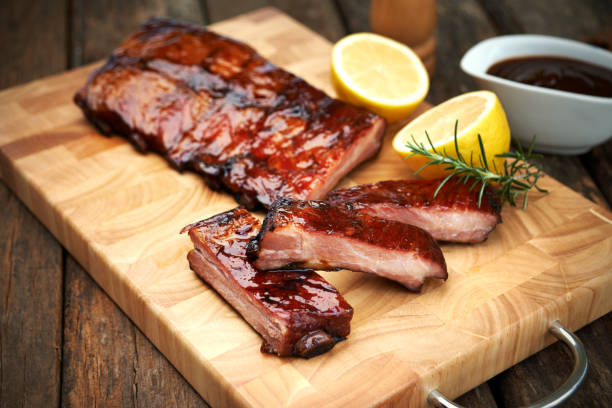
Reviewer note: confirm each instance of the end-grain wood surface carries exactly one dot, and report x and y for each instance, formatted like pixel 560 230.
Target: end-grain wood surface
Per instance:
pixel 64 342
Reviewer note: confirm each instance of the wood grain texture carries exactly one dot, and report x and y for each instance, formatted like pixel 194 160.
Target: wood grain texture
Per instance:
pixel 479 397
pixel 97 27
pixel 356 14
pixel 119 213
pixel 502 17
pixel 587 18
pixel 570 171
pixel 517 386
pixel 32 44
pixel 30 318
pixel 33 41
pixel 322 19
pixel 599 164
pixel 107 360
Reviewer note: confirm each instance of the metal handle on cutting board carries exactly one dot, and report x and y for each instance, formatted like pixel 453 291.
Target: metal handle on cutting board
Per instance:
pixel 436 399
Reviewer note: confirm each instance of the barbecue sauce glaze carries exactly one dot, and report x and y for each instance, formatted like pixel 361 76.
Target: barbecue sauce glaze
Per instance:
pixel 316 314
pixel 214 105
pixel 564 74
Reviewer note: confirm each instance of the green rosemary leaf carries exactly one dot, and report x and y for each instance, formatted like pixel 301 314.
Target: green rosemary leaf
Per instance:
pixel 525 200
pixel 482 189
pixel 425 165
pixel 457 151
pixel 442 184
pixel 474 184
pixel 482 152
pixel 520 183
pixel 519 147
pixel 518 178
pixel 530 149
pixel 430 142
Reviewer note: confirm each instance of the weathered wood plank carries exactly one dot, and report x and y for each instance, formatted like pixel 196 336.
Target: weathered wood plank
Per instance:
pixel 33 44
pixel 107 360
pixel 31 308
pixel 479 397
pixel 98 365
pixel 99 26
pixel 564 18
pixel 570 171
pixel 322 19
pixel 501 17
pixel 33 40
pixel 355 14
pixel 599 160
pixel 157 383
pixel 460 26
pixel 599 164
pixel 517 386
pixel 220 9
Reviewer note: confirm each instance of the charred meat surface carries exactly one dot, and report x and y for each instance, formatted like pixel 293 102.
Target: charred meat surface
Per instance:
pixel 297 312
pixel 453 215
pixel 315 234
pixel 213 105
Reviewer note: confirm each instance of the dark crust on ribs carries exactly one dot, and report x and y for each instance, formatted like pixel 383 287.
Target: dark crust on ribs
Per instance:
pixel 311 310
pixel 320 216
pixel 213 105
pixel 455 196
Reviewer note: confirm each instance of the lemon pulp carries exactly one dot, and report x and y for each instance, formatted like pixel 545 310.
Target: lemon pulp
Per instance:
pixel 475 113
pixel 380 74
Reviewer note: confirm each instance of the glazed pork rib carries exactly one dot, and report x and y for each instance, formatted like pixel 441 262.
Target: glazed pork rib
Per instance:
pixel 213 105
pixel 453 215
pixel 317 235
pixel 296 312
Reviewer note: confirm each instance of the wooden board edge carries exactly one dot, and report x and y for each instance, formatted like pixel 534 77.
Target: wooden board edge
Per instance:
pixel 515 338
pixel 207 381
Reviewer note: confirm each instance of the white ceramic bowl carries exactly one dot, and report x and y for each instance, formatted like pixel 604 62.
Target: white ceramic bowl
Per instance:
pixel 563 122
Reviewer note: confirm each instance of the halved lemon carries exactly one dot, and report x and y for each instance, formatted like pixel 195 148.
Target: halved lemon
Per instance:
pixel 475 113
pixel 380 74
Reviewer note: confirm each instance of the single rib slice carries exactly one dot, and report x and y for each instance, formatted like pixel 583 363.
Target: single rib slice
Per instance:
pixel 453 215
pixel 213 105
pixel 317 235
pixel 296 312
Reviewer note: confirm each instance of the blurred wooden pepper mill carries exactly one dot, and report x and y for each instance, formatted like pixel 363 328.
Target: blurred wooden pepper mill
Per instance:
pixel 412 22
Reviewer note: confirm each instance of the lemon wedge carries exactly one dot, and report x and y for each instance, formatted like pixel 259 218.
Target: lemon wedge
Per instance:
pixel 476 113
pixel 380 74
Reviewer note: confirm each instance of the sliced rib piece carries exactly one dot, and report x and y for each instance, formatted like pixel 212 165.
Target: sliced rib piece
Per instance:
pixel 317 235
pixel 453 215
pixel 296 312
pixel 213 105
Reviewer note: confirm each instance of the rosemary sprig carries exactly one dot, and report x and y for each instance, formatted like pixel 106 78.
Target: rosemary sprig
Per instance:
pixel 518 176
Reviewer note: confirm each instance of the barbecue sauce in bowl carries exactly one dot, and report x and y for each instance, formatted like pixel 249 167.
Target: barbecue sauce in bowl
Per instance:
pixel 564 74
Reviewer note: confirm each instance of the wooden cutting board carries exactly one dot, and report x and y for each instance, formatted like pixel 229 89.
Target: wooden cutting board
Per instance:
pixel 119 213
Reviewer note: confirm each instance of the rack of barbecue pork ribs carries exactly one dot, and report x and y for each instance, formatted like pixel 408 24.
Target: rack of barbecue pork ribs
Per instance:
pixel 212 105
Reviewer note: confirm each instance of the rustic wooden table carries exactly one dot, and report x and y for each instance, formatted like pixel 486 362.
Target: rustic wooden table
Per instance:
pixel 64 342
